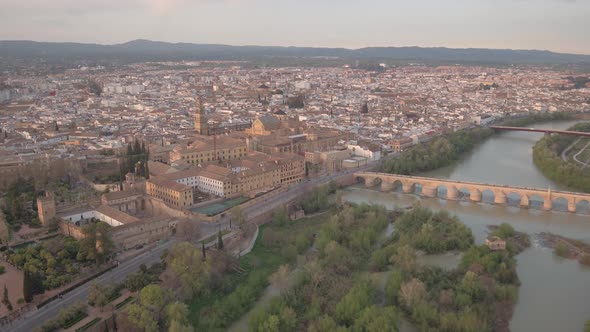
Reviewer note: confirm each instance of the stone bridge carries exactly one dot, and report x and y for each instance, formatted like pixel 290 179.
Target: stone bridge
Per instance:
pixel 430 186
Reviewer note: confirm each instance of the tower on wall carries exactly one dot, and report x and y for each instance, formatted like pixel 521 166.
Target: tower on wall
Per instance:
pixel 46 207
pixel 201 125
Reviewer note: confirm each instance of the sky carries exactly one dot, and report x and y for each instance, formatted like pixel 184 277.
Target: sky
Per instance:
pixel 556 25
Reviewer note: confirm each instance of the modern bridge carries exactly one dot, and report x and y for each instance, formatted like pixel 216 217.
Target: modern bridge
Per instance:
pixel 546 131
pixel 430 188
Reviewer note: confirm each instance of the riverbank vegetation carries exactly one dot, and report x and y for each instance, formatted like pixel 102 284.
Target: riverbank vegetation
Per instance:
pixel 439 152
pixel 337 290
pixel 547 157
pixel 567 248
pixel 537 118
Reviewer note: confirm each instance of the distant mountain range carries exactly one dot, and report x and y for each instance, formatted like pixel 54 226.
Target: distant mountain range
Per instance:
pixel 146 50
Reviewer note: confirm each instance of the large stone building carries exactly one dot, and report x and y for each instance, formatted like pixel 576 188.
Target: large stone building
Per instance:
pixel 210 149
pixel 254 173
pixel 171 192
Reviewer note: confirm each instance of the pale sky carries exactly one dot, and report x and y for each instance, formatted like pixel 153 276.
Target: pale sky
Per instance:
pixel 557 25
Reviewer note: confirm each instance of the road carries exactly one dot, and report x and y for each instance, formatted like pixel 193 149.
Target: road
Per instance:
pixel 36 318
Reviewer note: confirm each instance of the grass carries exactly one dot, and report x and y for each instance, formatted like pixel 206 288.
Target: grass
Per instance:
pixel 88 325
pixel 75 320
pixel 113 297
pixel 124 302
pixel 223 307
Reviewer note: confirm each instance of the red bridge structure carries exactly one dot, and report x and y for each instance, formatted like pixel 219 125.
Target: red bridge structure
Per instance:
pixel 546 131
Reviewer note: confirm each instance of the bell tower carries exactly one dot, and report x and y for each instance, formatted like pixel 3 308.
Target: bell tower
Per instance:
pixel 201 125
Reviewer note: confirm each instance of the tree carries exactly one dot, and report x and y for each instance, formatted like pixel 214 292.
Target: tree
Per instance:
pixel 237 216
pixel 98 295
pixel 412 292
pixel 204 251
pixel 148 313
pixel 358 298
pixel 219 241
pixel 376 319
pixel 404 258
pixel 177 316
pixel 6 300
pixel 186 272
pixel 27 287
pixel 95 87
pixel 280 216
pixel 280 279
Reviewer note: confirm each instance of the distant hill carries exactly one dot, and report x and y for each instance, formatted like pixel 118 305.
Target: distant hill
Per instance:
pixel 146 50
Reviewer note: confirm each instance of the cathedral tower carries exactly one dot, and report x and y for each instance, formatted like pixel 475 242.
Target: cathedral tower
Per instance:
pixel 201 125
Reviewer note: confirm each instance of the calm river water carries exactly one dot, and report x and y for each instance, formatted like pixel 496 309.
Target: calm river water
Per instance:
pixel 555 293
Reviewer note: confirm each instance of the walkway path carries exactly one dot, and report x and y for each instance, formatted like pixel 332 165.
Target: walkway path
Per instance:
pixel 564 152
pixel 584 164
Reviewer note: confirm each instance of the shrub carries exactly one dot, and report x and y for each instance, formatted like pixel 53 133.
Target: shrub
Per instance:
pixel 561 249
pixel 584 259
pixel 2 269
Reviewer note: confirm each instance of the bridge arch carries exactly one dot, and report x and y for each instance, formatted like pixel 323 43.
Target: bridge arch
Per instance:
pixel 397 185
pixel 583 206
pixel 536 201
pixel 487 196
pixel 514 198
pixel 442 190
pixel 560 204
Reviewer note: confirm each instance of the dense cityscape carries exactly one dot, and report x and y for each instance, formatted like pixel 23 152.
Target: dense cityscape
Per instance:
pixel 172 186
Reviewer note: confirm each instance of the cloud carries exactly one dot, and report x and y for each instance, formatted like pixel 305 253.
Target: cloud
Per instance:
pixel 76 7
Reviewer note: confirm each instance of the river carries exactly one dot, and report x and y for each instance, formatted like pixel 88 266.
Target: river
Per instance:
pixel 555 292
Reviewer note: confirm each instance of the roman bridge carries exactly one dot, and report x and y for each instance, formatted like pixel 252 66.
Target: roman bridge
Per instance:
pixel 474 190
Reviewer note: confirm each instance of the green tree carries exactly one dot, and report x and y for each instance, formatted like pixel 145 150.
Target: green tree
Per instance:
pixel 358 298
pixel 6 300
pixel 27 287
pixel 404 258
pixel 185 270
pixel 177 316
pixel 237 217
pixel 98 295
pixel 148 313
pixel 219 241
pixel 376 319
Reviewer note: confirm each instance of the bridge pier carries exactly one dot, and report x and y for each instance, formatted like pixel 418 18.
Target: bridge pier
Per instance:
pixel 452 193
pixel 475 195
pixel 548 204
pixel 525 202
pixel 386 186
pixel 499 198
pixel 571 205
pixel 407 188
pixel 429 191
pixel 369 183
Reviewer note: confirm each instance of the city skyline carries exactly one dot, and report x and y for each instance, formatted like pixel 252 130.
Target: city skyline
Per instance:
pixel 556 25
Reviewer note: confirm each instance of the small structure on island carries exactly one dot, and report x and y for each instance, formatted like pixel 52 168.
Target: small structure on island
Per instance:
pixel 297 214
pixel 495 243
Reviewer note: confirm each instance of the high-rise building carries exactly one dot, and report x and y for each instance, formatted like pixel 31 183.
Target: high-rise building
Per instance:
pixel 201 125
